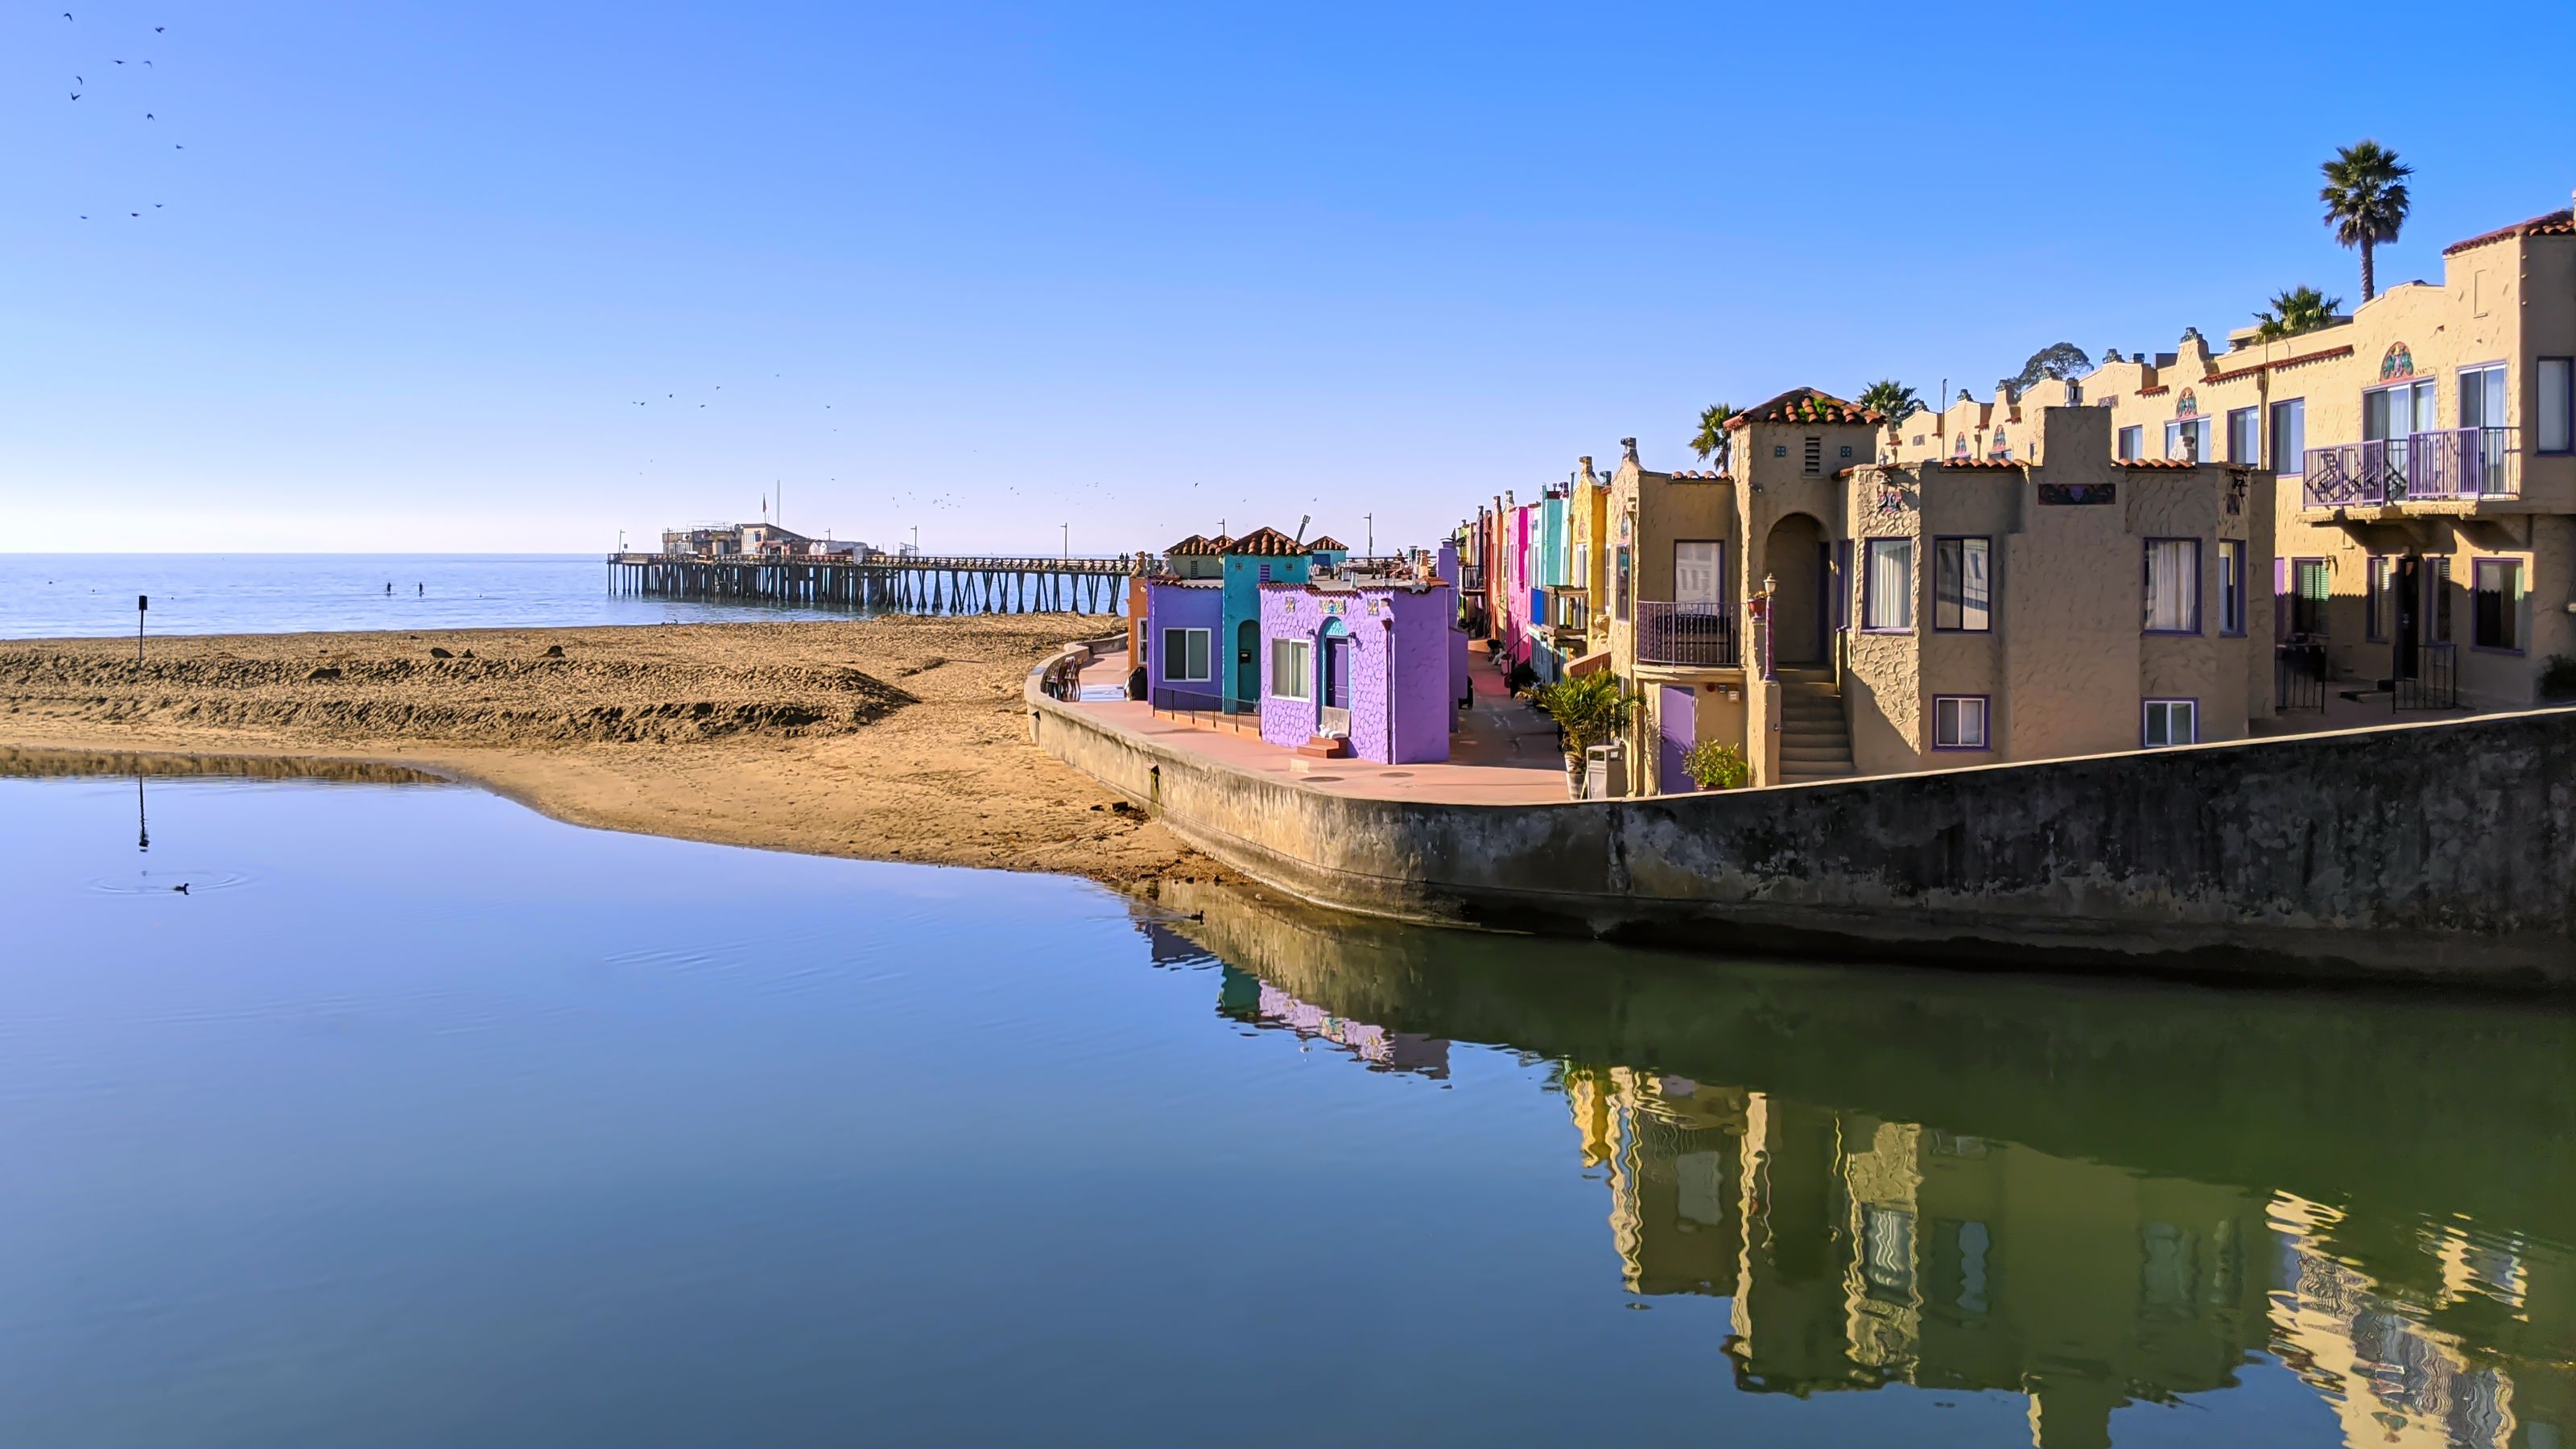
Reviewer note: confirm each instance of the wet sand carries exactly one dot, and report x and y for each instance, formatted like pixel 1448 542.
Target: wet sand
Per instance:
pixel 882 739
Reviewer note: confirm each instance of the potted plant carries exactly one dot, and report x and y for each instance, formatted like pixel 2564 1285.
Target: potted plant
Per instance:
pixel 1591 710
pixel 1716 765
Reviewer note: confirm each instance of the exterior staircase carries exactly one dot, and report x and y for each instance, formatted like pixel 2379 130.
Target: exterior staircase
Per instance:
pixel 1815 739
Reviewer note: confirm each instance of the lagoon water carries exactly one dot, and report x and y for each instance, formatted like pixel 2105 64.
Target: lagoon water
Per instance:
pixel 420 1119
pixel 50 596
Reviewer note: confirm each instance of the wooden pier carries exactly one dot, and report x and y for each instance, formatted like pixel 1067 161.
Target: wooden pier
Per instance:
pixel 891 583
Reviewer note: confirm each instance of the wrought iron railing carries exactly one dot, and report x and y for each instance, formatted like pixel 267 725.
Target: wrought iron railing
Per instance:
pixel 1187 699
pixel 2435 683
pixel 1703 635
pixel 1569 608
pixel 2299 676
pixel 2441 465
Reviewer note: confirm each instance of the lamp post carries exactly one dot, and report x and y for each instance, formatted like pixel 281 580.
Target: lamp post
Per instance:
pixel 1068 540
pixel 1371 520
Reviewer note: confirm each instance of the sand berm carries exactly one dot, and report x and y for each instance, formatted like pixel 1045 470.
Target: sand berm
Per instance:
pixel 898 738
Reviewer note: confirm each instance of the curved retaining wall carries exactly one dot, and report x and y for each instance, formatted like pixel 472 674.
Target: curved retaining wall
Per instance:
pixel 2441 851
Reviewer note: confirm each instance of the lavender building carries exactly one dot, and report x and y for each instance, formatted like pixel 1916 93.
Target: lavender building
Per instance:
pixel 1365 662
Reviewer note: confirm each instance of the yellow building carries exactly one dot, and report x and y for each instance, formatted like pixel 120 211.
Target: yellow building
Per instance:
pixel 1831 614
pixel 2424 454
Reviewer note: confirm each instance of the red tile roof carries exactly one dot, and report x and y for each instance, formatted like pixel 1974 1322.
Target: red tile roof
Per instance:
pixel 2155 463
pixel 1995 464
pixel 1266 543
pixel 1804 405
pixel 2324 355
pixel 1196 543
pixel 1685 475
pixel 1328 541
pixel 2159 388
pixel 2561 222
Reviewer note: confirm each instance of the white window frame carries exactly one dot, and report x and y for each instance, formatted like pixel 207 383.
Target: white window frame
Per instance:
pixel 1302 652
pixel 1953 721
pixel 1207 656
pixel 1709 555
pixel 2155 714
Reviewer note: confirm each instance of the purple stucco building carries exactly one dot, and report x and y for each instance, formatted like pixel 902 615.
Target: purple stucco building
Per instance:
pixel 1183 626
pixel 1368 661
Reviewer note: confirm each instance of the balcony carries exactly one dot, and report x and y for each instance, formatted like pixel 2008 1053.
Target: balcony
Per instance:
pixel 1701 636
pixel 2442 466
pixel 1569 610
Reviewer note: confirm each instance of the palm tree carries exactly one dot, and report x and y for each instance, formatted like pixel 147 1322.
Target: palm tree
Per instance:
pixel 1890 398
pixel 1592 709
pixel 2302 309
pixel 2366 202
pixel 1712 439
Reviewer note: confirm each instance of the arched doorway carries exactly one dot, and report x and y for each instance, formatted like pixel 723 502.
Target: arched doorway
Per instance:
pixel 1794 558
pixel 1247 666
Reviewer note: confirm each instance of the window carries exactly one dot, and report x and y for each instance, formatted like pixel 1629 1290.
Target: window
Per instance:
pixel 2188 438
pixel 1887 586
pixel 2231 586
pixel 1958 722
pixel 1185 656
pixel 2557 378
pixel 1291 674
pixel 2245 437
pixel 2173 586
pixel 2437 601
pixel 2290 437
pixel 2499 604
pixel 2308 593
pixel 1619 582
pixel 1582 566
pixel 1962 596
pixel 2379 599
pixel 1815 458
pixel 1699 573
pixel 2171 722
pixel 2133 444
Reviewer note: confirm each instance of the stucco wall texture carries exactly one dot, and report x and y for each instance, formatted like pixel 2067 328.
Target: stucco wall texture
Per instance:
pixel 1183 606
pixel 2438 852
pixel 1400 668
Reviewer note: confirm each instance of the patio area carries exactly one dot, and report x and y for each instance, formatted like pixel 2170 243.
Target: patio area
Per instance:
pixel 1503 753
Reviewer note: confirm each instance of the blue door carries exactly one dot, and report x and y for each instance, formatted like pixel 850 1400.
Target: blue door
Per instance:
pixel 1334 718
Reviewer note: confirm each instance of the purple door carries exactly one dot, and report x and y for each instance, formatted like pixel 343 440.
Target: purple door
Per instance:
pixel 1676 728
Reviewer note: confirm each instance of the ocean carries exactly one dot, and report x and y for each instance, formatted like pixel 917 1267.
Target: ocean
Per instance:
pixel 52 596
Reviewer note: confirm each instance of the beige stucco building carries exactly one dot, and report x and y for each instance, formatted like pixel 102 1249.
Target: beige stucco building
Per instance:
pixel 1831 614
pixel 2423 451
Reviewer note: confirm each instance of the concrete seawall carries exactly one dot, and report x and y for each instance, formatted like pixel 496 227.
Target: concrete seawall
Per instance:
pixel 2410 852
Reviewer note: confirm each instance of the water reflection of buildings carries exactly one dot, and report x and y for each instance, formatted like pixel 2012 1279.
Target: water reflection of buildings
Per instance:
pixel 1860 1252
pixel 2123 1203
pixel 1246 998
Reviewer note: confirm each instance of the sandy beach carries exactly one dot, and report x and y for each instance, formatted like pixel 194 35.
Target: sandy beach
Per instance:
pixel 897 738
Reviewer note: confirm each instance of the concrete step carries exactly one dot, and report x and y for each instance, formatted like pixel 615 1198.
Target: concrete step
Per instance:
pixel 1814 759
pixel 1820 713
pixel 1810 774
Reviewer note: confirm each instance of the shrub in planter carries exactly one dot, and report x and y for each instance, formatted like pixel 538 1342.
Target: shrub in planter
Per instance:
pixel 1592 710
pixel 2558 678
pixel 1716 765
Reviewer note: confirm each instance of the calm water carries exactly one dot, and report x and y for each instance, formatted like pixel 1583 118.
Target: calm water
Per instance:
pixel 420 1119
pixel 47 596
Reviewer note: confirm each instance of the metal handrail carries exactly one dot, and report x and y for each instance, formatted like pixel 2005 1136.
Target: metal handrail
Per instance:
pixel 1702 635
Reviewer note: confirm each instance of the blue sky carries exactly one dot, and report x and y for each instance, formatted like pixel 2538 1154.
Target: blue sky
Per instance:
pixel 986 270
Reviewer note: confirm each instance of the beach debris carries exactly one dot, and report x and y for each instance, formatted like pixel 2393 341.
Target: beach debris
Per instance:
pixel 469 653
pixel 327 671
pixel 437 653
pixel 554 651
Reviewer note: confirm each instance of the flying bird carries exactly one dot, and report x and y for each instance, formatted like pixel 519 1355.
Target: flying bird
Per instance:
pixel 157 29
pixel 147 115
pixel 75 95
pixel 67 15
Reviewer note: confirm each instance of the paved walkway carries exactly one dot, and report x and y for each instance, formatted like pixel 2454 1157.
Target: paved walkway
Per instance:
pixel 1503 753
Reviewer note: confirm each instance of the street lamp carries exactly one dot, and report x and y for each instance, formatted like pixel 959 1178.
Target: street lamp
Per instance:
pixel 1371 520
pixel 1068 540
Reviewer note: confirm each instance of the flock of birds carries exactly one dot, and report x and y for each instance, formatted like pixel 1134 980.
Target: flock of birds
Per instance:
pixel 81 86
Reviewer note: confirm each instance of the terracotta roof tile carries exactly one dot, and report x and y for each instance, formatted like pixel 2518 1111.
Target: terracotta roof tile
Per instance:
pixel 2156 463
pixel 2323 355
pixel 2158 390
pixel 1685 475
pixel 1266 543
pixel 1997 465
pixel 1804 405
pixel 1328 541
pixel 2561 222
pixel 1195 544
